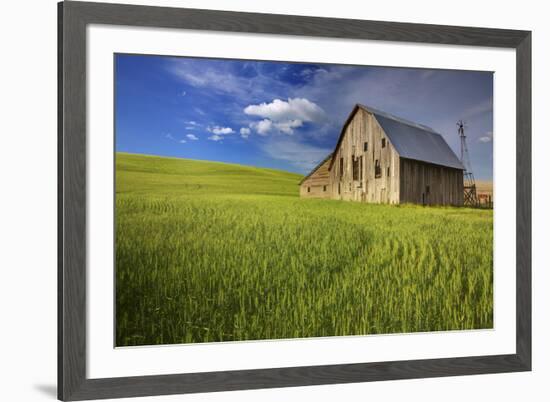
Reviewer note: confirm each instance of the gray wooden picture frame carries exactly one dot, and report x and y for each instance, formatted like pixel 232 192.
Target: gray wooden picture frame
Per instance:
pixel 73 18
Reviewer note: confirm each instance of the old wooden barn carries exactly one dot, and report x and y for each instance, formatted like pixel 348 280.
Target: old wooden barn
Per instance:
pixel 380 158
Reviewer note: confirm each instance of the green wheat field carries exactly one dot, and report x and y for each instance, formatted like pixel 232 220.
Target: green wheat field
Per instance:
pixel 210 252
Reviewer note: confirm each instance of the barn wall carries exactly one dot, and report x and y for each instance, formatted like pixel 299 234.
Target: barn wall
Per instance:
pixel 385 189
pixel 318 183
pixel 446 185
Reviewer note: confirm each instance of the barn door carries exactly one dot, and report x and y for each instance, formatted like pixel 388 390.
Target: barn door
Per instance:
pixel 428 194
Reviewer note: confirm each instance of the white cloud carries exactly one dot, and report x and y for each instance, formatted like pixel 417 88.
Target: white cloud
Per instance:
pixel 194 79
pixel 284 116
pixel 221 78
pixel 220 130
pixel 262 127
pixel 265 126
pixel 172 138
pixel 282 111
pixel 191 125
pixel 245 132
pixel 312 72
pixel 183 93
pixel 216 79
pixel 288 127
pixel 488 137
pixel 192 137
pixel 215 137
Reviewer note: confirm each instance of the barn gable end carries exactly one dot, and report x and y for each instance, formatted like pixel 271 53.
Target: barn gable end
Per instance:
pixel 365 165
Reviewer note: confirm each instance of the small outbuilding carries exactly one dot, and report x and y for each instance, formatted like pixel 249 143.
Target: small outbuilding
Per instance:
pixel 317 183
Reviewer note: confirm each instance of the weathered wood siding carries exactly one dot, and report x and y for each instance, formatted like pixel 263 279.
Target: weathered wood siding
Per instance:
pixel 317 185
pixel 424 183
pixel 363 128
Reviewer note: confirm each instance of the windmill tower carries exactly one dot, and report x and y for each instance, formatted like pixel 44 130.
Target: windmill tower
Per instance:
pixel 470 193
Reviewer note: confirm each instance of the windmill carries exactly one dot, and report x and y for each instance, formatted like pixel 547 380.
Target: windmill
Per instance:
pixel 470 193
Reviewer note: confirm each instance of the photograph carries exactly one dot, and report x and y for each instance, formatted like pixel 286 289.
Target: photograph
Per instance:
pixel 265 200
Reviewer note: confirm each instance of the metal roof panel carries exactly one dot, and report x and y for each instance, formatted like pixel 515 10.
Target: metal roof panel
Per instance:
pixel 413 141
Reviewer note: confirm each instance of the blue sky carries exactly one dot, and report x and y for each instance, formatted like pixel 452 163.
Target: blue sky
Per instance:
pixel 286 115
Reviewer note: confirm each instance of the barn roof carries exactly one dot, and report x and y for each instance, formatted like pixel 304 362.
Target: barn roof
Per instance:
pixel 410 140
pixel 316 167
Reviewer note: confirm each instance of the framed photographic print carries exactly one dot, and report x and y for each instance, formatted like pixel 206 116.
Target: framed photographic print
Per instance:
pixel 254 201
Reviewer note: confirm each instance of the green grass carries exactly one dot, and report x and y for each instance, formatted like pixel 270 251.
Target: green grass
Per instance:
pixel 216 252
